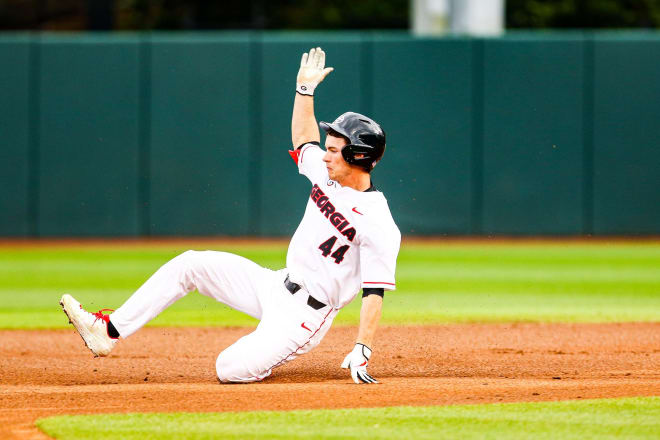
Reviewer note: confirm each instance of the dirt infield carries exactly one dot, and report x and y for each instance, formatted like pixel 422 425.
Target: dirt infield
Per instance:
pixel 45 373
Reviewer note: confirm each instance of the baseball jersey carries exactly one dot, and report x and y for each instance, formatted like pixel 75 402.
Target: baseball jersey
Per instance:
pixel 347 239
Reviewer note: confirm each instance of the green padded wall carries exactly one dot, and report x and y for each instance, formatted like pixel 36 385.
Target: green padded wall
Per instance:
pixel 422 96
pixel 14 136
pixel 283 192
pixel 200 121
pixel 187 134
pixel 627 135
pixel 533 135
pixel 88 138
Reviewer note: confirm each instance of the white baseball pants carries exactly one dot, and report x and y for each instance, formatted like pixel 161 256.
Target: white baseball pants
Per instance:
pixel 288 326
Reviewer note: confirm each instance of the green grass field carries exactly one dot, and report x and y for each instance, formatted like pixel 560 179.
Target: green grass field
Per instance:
pixel 455 282
pixel 635 418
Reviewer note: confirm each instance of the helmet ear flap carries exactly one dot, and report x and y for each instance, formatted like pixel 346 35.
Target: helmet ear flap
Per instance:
pixel 349 153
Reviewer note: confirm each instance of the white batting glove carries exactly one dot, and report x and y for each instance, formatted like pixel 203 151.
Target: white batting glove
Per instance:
pixel 357 360
pixel 312 71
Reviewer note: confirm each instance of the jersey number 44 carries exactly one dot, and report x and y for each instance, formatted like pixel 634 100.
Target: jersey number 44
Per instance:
pixel 326 249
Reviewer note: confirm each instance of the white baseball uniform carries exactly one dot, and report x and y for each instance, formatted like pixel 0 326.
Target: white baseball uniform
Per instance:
pixel 347 239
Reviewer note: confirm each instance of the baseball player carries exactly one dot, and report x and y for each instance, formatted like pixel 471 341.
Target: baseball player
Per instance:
pixel 347 240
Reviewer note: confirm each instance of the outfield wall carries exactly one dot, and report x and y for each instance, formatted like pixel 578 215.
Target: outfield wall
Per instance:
pixel 186 134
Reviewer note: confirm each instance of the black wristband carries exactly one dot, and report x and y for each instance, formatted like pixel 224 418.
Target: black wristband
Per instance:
pixel 305 143
pixel 373 291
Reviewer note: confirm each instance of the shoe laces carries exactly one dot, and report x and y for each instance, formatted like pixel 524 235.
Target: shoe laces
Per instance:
pixel 99 315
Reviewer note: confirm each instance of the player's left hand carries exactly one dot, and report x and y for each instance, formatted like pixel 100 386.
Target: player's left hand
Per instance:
pixel 357 360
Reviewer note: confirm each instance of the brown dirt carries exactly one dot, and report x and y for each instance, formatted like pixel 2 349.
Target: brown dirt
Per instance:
pixel 43 373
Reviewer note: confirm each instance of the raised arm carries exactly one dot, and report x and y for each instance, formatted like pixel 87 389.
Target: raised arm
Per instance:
pixel 312 72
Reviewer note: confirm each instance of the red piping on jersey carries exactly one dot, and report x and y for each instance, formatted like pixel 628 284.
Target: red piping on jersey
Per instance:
pixel 297 154
pixel 302 152
pixel 378 282
pixel 307 342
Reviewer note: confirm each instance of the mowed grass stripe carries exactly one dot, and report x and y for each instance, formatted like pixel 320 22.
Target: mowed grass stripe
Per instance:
pixel 632 418
pixel 436 283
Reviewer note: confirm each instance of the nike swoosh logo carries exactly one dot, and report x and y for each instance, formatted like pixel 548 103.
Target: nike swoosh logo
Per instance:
pixel 356 211
pixel 305 327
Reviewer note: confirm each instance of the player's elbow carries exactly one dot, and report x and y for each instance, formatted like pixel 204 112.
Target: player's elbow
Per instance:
pixel 302 140
pixel 305 133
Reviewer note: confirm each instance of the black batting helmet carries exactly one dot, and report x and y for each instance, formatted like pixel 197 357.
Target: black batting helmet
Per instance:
pixel 365 137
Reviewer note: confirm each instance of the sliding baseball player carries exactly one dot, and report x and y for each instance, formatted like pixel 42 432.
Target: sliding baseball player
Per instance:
pixel 347 241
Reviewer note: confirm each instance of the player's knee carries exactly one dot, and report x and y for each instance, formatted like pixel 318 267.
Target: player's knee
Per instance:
pixel 185 265
pixel 184 258
pixel 230 371
pixel 198 259
pixel 189 255
pixel 189 260
pixel 225 369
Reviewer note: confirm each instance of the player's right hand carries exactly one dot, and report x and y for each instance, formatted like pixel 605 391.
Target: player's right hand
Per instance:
pixel 312 71
pixel 357 360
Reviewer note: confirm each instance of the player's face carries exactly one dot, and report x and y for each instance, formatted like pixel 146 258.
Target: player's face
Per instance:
pixel 338 168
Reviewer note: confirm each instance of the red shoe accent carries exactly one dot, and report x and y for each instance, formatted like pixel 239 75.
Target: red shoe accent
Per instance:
pixel 363 364
pixel 104 318
pixel 101 316
pixel 305 327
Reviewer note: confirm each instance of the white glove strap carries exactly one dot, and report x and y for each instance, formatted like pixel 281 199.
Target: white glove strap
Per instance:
pixel 366 351
pixel 306 89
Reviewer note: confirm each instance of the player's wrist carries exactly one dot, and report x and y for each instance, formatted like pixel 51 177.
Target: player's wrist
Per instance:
pixel 363 349
pixel 306 89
